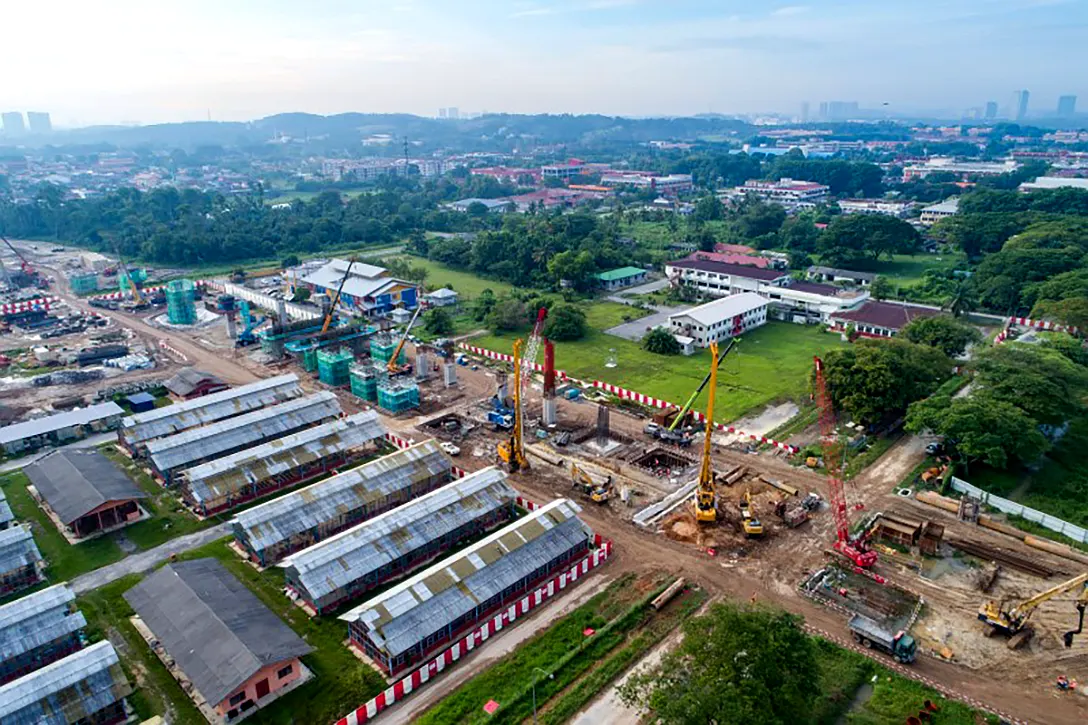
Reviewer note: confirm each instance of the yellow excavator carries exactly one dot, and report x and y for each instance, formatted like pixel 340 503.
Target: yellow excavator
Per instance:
pixel 706 503
pixel 1013 620
pixel 595 492
pixel 753 527
pixel 512 451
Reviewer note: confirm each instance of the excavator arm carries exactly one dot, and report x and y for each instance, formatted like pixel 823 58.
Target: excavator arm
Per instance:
pixel 1015 617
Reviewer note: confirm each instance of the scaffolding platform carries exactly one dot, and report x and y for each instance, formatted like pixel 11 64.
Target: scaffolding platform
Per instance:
pixel 364 381
pixel 84 283
pixel 181 302
pixel 382 347
pixel 334 366
pixel 397 396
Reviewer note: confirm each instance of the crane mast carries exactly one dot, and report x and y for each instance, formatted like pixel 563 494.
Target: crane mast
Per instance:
pixel 856 551
pixel 512 451
pixel 706 506
pixel 336 299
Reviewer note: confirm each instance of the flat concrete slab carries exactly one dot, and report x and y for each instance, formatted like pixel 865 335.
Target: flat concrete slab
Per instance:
pixel 637 329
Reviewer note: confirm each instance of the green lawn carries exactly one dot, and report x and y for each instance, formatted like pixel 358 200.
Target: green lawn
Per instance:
pixel 770 364
pixel 908 269
pixel 657 235
pixel 466 284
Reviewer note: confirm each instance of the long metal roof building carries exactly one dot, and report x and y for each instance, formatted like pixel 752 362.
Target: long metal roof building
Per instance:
pixel 220 478
pixel 365 555
pixel 400 618
pixel 37 619
pixel 66 691
pixel 210 441
pixel 173 419
pixel 59 421
pixel 6 516
pixel 351 495
pixel 17 549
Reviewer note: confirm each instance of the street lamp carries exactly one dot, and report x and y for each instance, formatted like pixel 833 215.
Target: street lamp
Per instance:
pixel 550 676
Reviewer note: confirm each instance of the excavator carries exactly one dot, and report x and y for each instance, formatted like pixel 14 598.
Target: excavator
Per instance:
pixel 753 527
pixel 706 503
pixel 596 492
pixel 512 452
pixel 1013 620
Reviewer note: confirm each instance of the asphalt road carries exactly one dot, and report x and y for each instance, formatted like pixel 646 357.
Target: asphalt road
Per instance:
pixel 95 440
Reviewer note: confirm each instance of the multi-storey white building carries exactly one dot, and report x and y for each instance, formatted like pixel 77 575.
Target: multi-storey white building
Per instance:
pixel 669 185
pixel 563 171
pixel 721 319
pixel 796 301
pixel 887 207
pixel 788 192
pixel 959 168
pixel 942 210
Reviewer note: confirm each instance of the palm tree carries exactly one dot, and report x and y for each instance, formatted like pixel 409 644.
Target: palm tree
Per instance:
pixel 963 299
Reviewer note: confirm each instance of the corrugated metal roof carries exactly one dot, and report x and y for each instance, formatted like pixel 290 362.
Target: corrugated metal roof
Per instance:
pixel 230 473
pixel 17 549
pixel 76 482
pixel 67 690
pixel 351 555
pixel 184 448
pixel 60 421
pixel 208 409
pixel 6 516
pixel 398 618
pixel 273 522
pixel 37 619
pixel 216 629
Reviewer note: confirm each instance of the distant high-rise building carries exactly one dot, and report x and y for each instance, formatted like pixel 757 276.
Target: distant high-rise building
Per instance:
pixel 804 111
pixel 991 110
pixel 441 112
pixel 1067 105
pixel 1020 104
pixel 39 122
pixel 13 123
pixel 823 110
pixel 453 113
pixel 842 110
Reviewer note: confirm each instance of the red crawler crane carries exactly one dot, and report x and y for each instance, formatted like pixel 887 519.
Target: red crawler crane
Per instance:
pixel 856 550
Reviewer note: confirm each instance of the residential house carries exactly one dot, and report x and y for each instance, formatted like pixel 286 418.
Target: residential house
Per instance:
pixel 720 319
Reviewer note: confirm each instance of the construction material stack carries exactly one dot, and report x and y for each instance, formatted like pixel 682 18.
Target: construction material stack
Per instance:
pixel 334 366
pixel 181 302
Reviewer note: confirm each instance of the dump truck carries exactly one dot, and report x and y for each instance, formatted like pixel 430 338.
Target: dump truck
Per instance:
pixel 871 635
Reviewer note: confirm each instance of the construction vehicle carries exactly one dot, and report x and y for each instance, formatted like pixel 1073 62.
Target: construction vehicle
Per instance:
pixel 596 492
pixel 29 277
pixel 1081 604
pixel 512 452
pixel 706 503
pixel 392 366
pixel 856 549
pixel 249 323
pixel 336 300
pixel 753 527
pixel 871 635
pixel 792 516
pixel 1011 619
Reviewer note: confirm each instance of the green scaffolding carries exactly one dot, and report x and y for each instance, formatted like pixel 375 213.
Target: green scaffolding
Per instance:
pixel 382 346
pixel 334 366
pixel 364 382
pixel 181 302
pixel 398 396
pixel 84 283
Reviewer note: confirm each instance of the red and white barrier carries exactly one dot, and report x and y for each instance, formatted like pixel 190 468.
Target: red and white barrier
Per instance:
pixel 173 351
pixel 1043 325
pixel 503 357
pixel 200 284
pixel 43 303
pixel 481 634
pixel 400 442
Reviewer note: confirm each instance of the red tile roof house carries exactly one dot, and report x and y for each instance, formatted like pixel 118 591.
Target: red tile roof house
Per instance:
pixel 745 260
pixel 879 319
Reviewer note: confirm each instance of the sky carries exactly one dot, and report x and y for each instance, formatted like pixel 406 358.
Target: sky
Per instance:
pixel 135 61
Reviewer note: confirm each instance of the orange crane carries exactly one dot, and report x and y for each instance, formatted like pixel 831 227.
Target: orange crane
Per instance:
pixel 855 549
pixel 336 299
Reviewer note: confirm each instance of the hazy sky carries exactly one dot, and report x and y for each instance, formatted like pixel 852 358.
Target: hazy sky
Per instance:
pixel 167 60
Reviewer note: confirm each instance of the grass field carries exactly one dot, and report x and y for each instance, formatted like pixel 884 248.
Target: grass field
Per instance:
pixel 770 364
pixel 657 235
pixel 907 269
pixel 466 284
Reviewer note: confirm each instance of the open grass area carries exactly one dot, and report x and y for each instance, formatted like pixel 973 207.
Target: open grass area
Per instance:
pixel 770 364
pixel 466 284
pixel 64 560
pixel 657 235
pixel 908 269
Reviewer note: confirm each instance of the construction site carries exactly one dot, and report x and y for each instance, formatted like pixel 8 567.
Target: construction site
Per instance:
pixel 376 471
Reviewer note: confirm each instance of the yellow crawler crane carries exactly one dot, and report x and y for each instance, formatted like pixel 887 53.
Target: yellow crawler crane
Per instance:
pixel 706 503
pixel 512 452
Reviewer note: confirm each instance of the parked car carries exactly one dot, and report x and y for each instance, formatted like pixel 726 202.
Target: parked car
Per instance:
pixel 450 448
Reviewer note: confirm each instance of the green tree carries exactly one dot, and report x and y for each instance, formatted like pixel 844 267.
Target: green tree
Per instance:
pixel 881 288
pixel 302 294
pixel 291 260
pixel 1043 383
pixel 963 299
pixel 708 208
pixel 943 332
pixel 735 666
pixel 482 305
pixel 876 379
pixel 564 323
pixel 508 314
pixel 1070 311
pixel 661 341
pixel 1067 345
pixel 438 322
pixel 860 240
pixel 575 267
pixel 982 428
